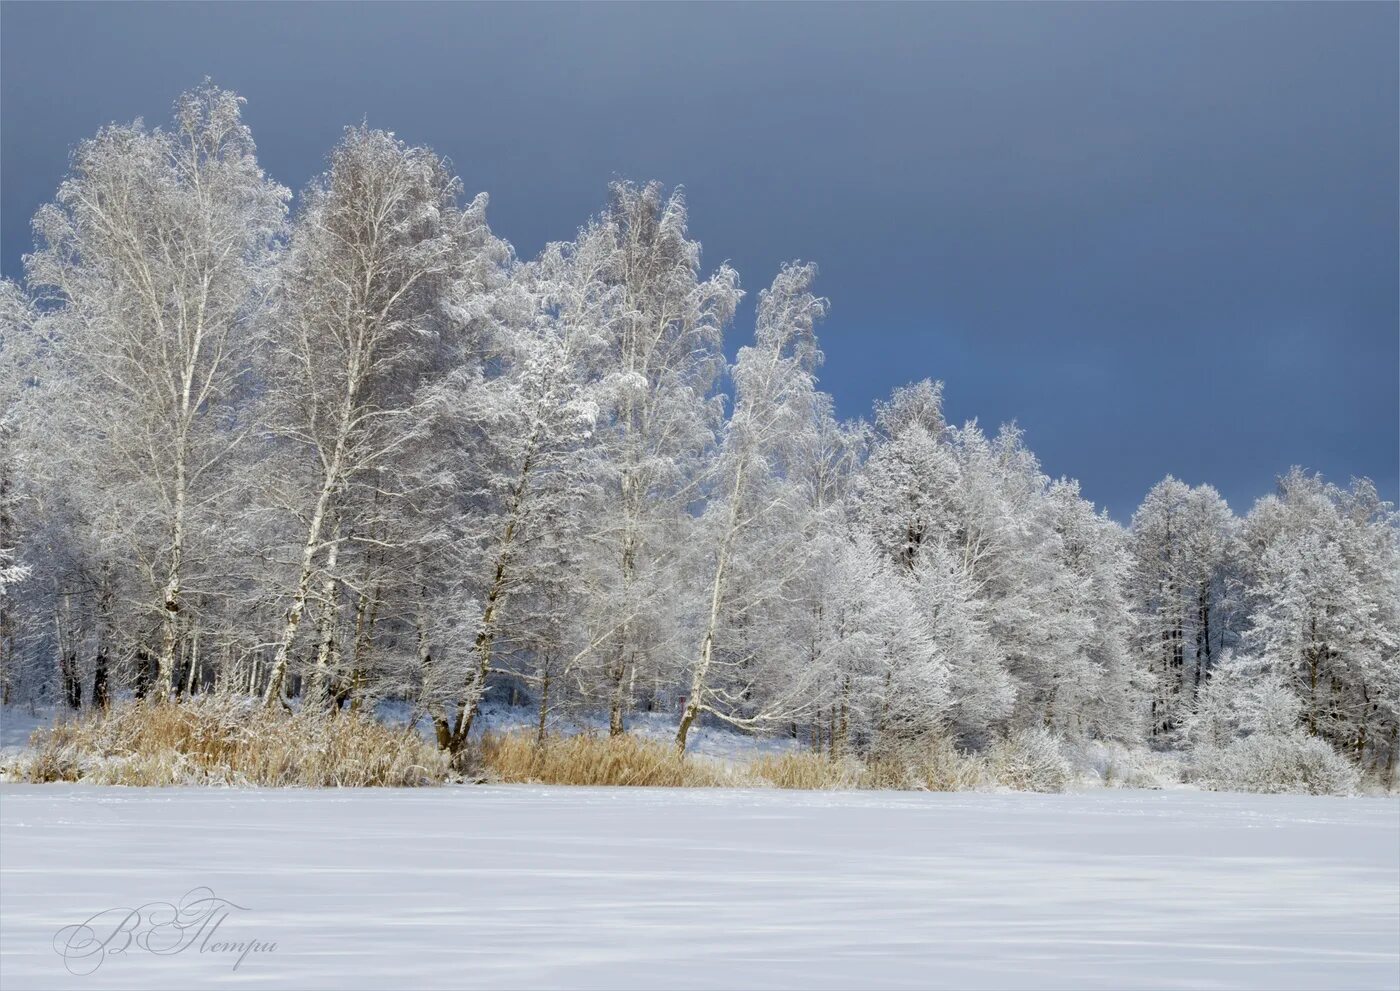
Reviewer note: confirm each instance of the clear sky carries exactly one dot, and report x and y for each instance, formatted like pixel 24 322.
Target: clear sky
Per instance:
pixel 1161 237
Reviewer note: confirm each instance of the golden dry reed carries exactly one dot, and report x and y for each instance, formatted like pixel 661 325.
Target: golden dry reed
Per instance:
pixel 598 760
pixel 226 740
pixel 221 740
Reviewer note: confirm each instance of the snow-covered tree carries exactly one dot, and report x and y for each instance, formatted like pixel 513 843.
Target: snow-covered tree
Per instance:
pixel 152 257
pixel 889 658
pixel 981 692
pixel 1245 735
pixel 1098 690
pixel 1182 544
pixel 750 542
pixel 526 466
pixel 905 485
pixel 1324 580
pixel 662 327
pixel 362 302
pixel 17 352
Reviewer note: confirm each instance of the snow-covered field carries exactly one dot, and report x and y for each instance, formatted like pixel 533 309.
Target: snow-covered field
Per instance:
pixel 516 886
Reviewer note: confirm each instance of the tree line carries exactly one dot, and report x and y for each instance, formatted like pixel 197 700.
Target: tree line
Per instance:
pixel 359 451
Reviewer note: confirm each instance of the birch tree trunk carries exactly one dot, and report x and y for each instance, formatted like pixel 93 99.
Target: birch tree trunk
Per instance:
pixel 486 634
pixel 278 672
pixel 169 632
pixel 471 698
pixel 329 483
pixel 544 708
pixel 320 678
pixel 694 702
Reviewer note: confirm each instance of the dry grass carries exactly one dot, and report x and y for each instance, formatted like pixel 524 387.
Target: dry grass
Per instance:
pixel 938 768
pixel 597 760
pixel 222 740
pixel 943 767
pixel 634 760
pixel 809 771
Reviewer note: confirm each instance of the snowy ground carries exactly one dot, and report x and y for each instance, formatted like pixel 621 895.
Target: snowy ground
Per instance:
pixel 18 723
pixel 518 886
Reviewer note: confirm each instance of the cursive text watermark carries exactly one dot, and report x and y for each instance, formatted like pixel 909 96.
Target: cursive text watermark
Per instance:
pixel 191 925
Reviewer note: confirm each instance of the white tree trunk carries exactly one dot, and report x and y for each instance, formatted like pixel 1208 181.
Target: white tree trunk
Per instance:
pixel 329 615
pixel 170 602
pixel 278 674
pixel 694 702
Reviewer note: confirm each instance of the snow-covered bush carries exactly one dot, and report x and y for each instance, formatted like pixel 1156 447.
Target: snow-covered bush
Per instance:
pixel 1267 762
pixel 1244 696
pixel 1245 735
pixel 1112 764
pixel 1030 760
pixel 1142 769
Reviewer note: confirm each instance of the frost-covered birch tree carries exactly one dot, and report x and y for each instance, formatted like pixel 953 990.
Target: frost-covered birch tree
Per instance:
pixel 18 352
pixel 662 332
pixel 526 467
pixel 153 257
pixel 377 249
pixel 747 533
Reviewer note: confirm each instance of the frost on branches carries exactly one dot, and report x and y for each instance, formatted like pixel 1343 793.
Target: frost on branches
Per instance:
pixel 360 451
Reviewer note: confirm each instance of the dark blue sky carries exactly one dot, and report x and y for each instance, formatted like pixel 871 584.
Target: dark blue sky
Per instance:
pixel 1162 237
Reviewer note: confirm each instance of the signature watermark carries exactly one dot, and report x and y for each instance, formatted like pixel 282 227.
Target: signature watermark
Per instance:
pixel 191 925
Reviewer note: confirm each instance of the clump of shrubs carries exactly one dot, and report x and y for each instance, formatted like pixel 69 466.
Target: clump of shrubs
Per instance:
pixel 1246 735
pixel 1029 760
pixel 1114 764
pixel 1267 762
